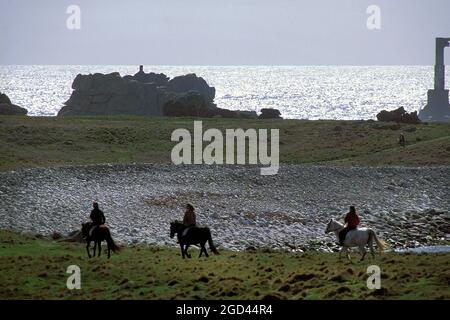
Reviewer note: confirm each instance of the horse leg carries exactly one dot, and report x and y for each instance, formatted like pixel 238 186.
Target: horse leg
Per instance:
pixel 87 248
pixel 99 248
pixel 203 250
pixel 186 251
pixel 95 247
pixel 363 251
pixel 182 250
pixel 344 249
pixel 372 250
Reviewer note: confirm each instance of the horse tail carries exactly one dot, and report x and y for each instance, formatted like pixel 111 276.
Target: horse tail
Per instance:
pixel 380 243
pixel 211 244
pixel 111 244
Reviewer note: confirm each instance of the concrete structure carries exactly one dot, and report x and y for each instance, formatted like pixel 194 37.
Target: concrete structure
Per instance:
pixel 438 108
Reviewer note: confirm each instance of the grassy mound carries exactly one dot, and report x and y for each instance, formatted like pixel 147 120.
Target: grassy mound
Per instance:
pixel 47 141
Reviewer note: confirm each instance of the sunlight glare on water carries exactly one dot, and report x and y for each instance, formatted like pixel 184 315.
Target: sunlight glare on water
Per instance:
pixel 299 92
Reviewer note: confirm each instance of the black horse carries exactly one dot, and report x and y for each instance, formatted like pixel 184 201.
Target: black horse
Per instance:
pixel 101 233
pixel 195 236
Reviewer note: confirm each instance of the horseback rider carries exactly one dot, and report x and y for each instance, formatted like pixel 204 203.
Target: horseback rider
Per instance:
pixel 97 218
pixel 189 219
pixel 352 221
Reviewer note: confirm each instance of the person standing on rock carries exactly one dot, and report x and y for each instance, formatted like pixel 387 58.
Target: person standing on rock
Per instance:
pixel 352 221
pixel 189 219
pixel 97 217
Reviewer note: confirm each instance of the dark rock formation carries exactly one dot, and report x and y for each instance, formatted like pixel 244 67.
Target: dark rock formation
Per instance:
pixel 191 104
pixel 269 113
pixel 160 79
pixel 190 82
pixel 9 109
pixel 399 115
pixel 147 94
pixel 194 104
pixel 110 94
pixel 141 94
pixel 4 99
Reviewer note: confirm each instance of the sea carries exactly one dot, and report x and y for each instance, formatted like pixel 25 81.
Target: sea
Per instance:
pixel 299 92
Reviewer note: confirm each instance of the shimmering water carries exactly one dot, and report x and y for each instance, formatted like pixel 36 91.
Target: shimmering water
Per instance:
pixel 426 249
pixel 301 92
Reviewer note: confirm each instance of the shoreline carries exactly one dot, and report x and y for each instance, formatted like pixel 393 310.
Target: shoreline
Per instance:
pixel 406 206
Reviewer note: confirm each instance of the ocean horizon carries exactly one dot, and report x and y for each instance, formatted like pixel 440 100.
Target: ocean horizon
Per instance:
pixel 299 92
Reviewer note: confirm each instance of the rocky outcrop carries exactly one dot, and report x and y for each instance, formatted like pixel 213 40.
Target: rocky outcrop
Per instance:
pixel 9 109
pixel 141 94
pixel 146 94
pixel 194 104
pixel 399 115
pixel 191 82
pixel 269 113
pixel 4 99
pixel 191 104
pixel 111 94
pixel 160 79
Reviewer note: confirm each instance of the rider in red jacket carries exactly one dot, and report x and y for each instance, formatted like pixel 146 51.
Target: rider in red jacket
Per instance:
pixel 352 221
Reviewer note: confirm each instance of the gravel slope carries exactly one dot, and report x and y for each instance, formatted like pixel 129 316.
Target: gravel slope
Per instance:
pixel 407 206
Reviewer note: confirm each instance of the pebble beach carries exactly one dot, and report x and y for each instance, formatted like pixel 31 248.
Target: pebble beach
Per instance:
pixel 408 207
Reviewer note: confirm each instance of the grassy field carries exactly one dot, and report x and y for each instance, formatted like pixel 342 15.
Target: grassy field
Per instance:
pixel 35 268
pixel 28 142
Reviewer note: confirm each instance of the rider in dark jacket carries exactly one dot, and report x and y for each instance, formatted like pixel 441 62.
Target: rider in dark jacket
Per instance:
pixel 97 217
pixel 189 219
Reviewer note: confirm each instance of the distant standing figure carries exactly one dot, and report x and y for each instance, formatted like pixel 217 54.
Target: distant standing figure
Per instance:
pixel 189 219
pixel 402 140
pixel 97 217
pixel 352 221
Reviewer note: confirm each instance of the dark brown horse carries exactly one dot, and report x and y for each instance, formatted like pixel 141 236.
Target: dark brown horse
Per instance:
pixel 101 233
pixel 195 236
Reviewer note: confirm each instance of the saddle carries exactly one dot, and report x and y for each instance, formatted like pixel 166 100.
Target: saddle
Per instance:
pixel 343 234
pixel 186 230
pixel 92 228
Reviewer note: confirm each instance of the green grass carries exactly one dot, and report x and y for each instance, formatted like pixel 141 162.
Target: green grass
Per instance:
pixel 33 268
pixel 28 142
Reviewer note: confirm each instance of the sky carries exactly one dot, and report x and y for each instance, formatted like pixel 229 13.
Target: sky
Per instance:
pixel 222 32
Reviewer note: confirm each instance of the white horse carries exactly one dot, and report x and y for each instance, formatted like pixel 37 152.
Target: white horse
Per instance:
pixel 356 238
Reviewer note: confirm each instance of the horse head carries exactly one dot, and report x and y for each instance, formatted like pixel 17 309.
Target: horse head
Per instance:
pixel 85 229
pixel 175 226
pixel 333 225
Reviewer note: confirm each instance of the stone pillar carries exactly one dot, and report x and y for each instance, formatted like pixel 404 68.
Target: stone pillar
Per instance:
pixel 439 68
pixel 438 108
